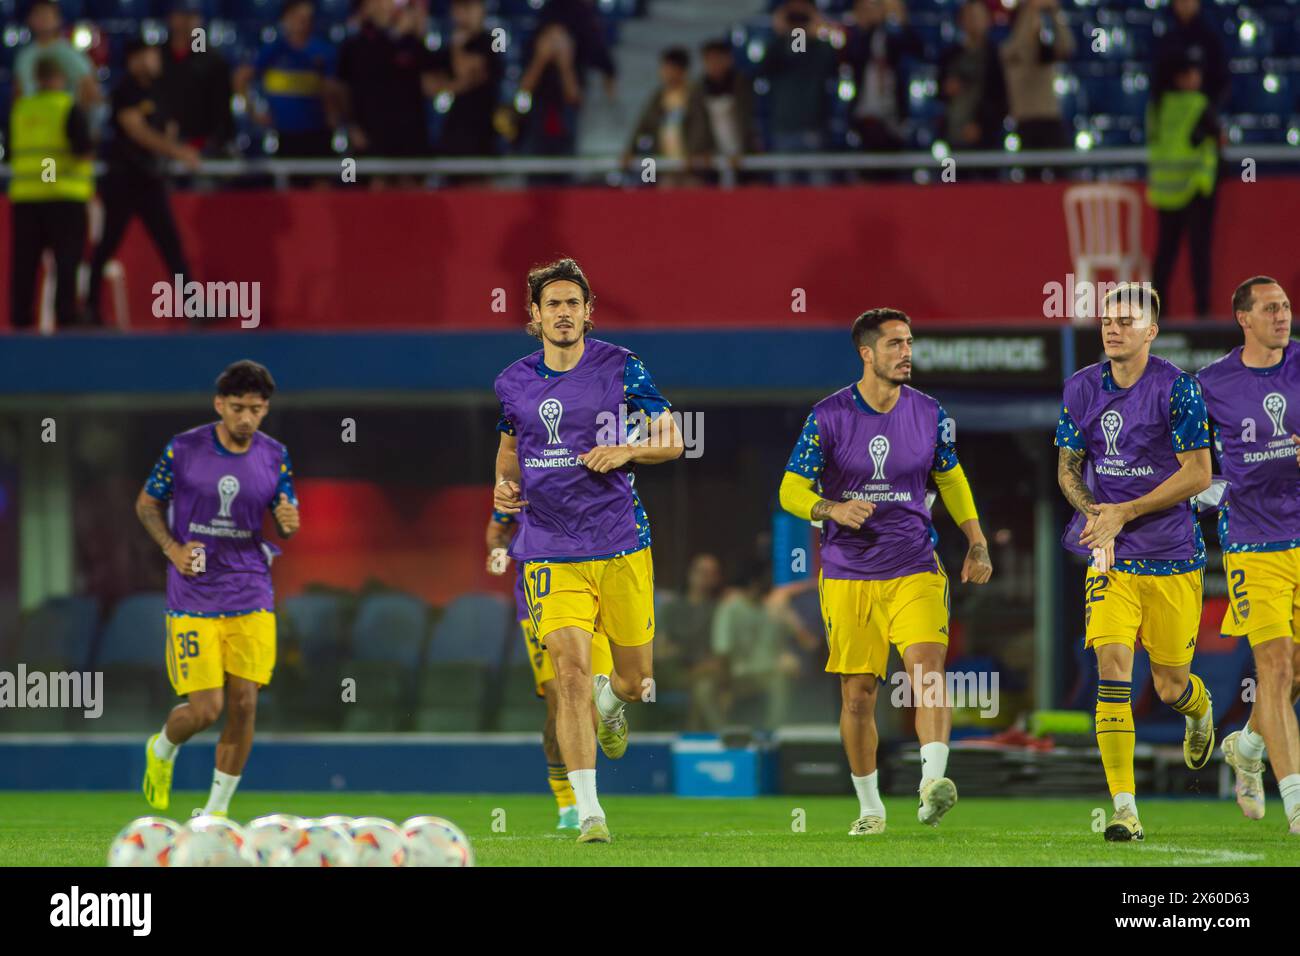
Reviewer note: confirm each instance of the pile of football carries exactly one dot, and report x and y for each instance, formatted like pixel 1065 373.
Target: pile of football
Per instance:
pixel 284 840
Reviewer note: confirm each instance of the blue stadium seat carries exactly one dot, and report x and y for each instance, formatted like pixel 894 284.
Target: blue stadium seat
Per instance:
pixel 472 630
pixel 387 641
pixel 119 9
pixel 466 650
pixel 60 634
pixel 1263 91
pixel 389 628
pixel 251 11
pixel 135 633
pixel 313 638
pixel 132 655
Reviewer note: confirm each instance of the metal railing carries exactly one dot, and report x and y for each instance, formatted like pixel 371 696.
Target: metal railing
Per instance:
pixel 612 169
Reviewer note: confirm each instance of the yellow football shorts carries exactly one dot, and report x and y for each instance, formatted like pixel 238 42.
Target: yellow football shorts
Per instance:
pixel 201 651
pixel 540 661
pixel 1164 610
pixel 1263 595
pixel 863 618
pixel 613 596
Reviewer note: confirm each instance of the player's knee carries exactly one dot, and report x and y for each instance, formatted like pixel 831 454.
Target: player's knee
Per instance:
pixel 1169 690
pixel 859 697
pixel 206 709
pixel 572 681
pixel 241 705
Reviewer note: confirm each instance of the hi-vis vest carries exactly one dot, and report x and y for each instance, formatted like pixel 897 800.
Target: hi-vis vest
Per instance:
pixel 1178 171
pixel 38 126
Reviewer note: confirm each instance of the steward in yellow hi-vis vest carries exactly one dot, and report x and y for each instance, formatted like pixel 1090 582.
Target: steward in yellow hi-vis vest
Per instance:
pixel 52 181
pixel 1182 164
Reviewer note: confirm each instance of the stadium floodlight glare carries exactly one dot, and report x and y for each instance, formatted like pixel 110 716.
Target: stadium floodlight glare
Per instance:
pixel 1083 140
pixel 1247 33
pixel 1012 143
pixel 847 90
pixel 82 37
pixel 1271 82
pixel 1293 136
pixel 940 150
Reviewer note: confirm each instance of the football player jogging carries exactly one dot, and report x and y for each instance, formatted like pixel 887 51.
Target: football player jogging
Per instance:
pixel 1139 423
pixel 203 505
pixel 499 532
pixel 564 469
pixel 861 466
pixel 1252 393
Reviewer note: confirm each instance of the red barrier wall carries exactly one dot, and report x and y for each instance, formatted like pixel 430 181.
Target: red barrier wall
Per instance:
pixel 340 258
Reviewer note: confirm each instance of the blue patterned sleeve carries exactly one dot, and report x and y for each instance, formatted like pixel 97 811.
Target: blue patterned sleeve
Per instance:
pixel 639 390
pixel 1068 434
pixel 806 459
pixel 504 424
pixel 159 484
pixel 500 517
pixel 1188 420
pixel 945 444
pixel 284 485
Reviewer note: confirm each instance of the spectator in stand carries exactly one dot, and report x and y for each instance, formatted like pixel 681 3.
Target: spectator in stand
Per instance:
pixel 752 638
pixel 1189 38
pixel 471 71
pixel 972 85
pixel 45 20
pixel 142 138
pixel 1183 148
pixel 48 212
pixel 670 115
pixel 385 68
pixel 727 95
pixel 1040 38
pixel 195 84
pixel 584 26
pixel 296 73
pixel 799 68
pixel 549 94
pixel 683 642
pixel 878 41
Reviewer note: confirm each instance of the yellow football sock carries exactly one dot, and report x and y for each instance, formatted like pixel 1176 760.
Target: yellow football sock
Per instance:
pixel 1194 702
pixel 1115 733
pixel 560 786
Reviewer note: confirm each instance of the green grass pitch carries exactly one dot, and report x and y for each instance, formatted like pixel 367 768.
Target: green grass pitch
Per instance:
pixel 75 829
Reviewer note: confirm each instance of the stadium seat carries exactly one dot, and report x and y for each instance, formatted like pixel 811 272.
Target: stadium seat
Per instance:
pixel 521 709
pixel 465 652
pixel 59 635
pixel 313 644
pixel 131 654
pixel 387 640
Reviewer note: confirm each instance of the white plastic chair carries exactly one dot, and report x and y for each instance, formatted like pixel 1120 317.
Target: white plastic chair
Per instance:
pixel 1104 223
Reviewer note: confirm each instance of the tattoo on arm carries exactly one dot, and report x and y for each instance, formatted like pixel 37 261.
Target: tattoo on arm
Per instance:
pixel 1069 475
pixel 154 518
pixel 822 510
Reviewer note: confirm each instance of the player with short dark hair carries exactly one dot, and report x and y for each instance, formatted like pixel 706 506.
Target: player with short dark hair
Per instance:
pixel 1253 394
pixel 564 468
pixel 1139 424
pixel 204 505
pixel 861 466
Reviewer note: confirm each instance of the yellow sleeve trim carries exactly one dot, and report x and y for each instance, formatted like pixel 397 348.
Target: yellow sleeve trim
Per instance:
pixel 955 491
pixel 798 495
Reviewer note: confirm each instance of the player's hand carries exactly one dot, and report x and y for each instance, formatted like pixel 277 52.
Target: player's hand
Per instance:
pixel 852 513
pixel 182 556
pixel 498 560
pixel 605 458
pixel 505 498
pixel 978 566
pixel 286 514
pixel 1295 440
pixel 1104 526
